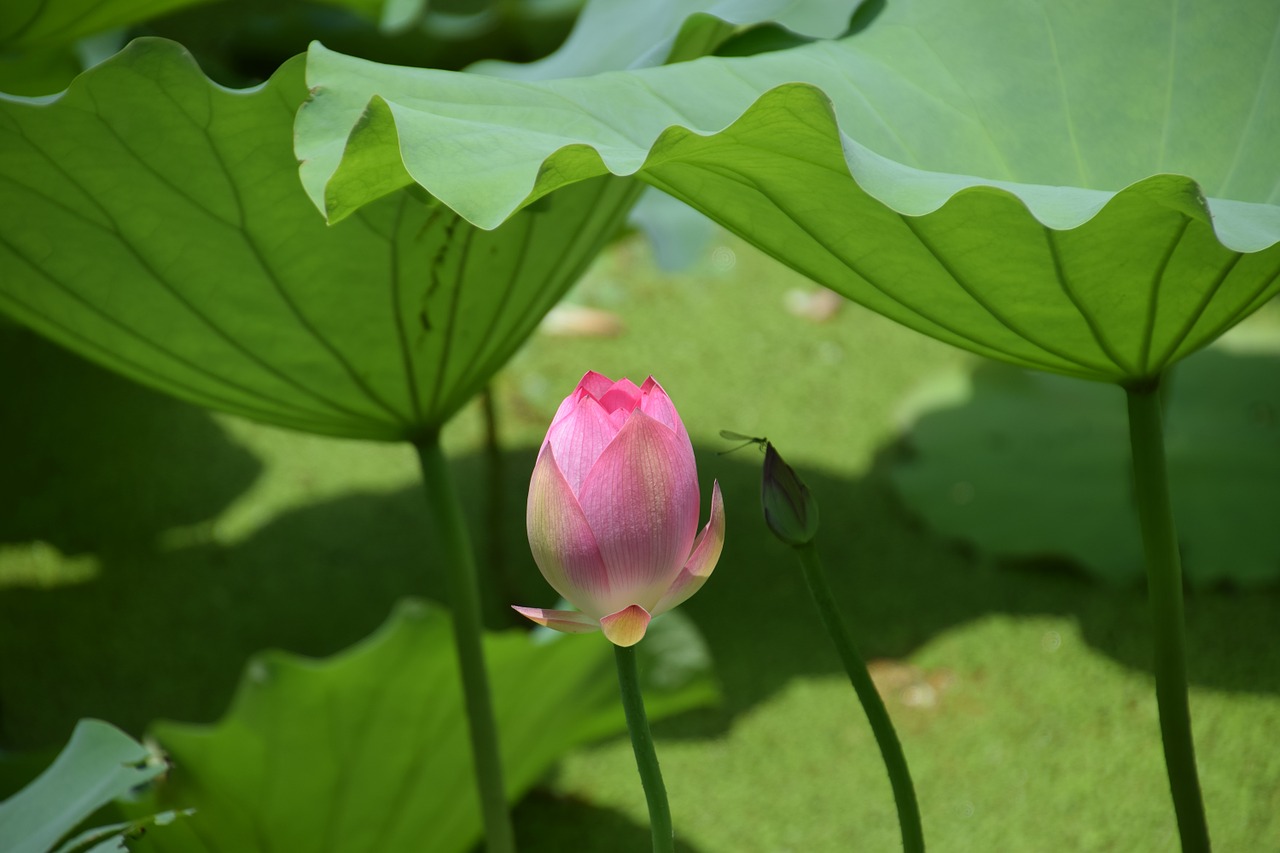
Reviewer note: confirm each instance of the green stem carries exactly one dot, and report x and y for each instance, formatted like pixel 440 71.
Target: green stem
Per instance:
pixel 890 749
pixel 459 568
pixel 655 792
pixel 1164 591
pixel 497 508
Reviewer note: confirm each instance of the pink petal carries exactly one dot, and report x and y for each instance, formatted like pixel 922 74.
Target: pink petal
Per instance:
pixel 579 438
pixel 618 419
pixel 567 405
pixel 706 553
pixel 624 396
pixel 627 626
pixel 561 540
pixel 655 403
pixel 594 384
pixel 589 383
pixel 568 621
pixel 641 503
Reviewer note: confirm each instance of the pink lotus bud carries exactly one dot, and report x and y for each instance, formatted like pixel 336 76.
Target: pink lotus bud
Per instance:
pixel 613 511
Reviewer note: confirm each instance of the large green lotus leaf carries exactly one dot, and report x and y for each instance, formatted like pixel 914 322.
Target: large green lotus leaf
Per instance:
pixel 1086 188
pixel 153 221
pixel 357 129
pixel 1025 465
pixel 367 751
pixel 611 35
pixel 98 764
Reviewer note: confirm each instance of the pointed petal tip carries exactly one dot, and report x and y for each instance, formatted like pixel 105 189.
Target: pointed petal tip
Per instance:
pixel 567 621
pixel 702 561
pixel 706 551
pixel 592 384
pixel 623 396
pixel 627 626
pixel 655 403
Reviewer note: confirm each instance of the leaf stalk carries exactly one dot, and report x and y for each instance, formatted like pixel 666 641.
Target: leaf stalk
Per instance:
pixel 1164 593
pixel 458 565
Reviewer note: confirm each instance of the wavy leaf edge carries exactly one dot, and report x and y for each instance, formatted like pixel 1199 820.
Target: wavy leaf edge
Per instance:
pixel 150 43
pixel 407 614
pixel 1240 226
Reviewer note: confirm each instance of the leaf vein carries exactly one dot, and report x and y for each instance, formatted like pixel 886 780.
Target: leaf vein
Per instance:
pixel 452 323
pixel 1081 170
pixel 1153 297
pixel 1243 136
pixel 295 310
pixel 173 291
pixel 1247 307
pixel 971 117
pixel 406 359
pixel 490 339
pixel 1061 275
pixel 1193 317
pixel 173 386
pixel 822 242
pixel 998 316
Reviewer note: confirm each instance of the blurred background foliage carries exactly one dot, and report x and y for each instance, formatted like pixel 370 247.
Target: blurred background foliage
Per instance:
pixel 44 43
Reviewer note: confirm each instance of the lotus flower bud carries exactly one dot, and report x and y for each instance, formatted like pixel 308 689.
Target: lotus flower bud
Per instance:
pixel 613 511
pixel 789 509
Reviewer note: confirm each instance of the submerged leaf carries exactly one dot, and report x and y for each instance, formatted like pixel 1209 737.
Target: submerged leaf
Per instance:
pixel 367 751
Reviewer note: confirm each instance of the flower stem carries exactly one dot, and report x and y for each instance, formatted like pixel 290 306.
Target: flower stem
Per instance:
pixel 895 762
pixel 459 568
pixel 655 792
pixel 1164 591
